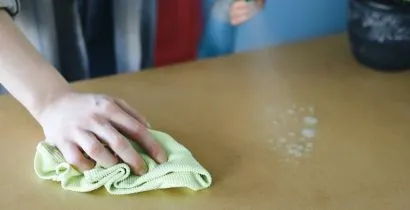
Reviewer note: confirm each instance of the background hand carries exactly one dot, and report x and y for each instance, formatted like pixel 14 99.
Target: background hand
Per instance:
pixel 242 11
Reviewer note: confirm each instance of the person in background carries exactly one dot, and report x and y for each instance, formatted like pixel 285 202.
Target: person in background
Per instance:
pixel 46 44
pixel 206 28
pixel 222 18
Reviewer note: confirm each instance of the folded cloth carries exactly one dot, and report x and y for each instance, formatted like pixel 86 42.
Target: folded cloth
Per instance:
pixel 181 170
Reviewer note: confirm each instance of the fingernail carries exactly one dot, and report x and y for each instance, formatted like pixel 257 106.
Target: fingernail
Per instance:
pixel 143 170
pixel 162 158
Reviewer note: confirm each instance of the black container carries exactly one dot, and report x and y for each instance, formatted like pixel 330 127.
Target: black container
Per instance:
pixel 379 33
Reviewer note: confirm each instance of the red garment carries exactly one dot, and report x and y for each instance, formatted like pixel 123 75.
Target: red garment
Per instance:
pixel 179 27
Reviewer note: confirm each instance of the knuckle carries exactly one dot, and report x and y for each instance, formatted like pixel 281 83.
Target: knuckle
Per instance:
pixel 119 144
pixel 107 104
pixel 75 160
pixel 137 128
pixel 95 118
pixel 95 121
pixel 95 149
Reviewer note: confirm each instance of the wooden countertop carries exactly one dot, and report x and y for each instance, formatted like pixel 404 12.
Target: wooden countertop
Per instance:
pixel 233 114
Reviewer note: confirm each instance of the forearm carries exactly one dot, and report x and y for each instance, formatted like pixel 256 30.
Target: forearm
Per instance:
pixel 24 73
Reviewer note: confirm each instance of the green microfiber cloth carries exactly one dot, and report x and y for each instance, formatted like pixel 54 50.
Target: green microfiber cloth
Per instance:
pixel 180 171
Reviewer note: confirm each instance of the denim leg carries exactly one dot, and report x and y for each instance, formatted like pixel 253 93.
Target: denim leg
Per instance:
pixel 127 34
pixel 219 35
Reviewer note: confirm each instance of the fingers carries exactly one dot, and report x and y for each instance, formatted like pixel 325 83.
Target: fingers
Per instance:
pixel 138 133
pixel 260 3
pixel 241 11
pixel 132 112
pixel 120 146
pixel 95 149
pixel 240 5
pixel 74 156
pixel 153 148
pixel 146 141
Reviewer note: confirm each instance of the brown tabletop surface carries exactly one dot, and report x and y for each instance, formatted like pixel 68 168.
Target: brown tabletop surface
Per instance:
pixel 250 120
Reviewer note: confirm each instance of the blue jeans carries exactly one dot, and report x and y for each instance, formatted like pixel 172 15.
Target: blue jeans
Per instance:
pixel 218 38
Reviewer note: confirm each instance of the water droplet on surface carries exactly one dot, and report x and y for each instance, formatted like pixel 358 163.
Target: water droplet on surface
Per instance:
pixel 291 111
pixel 310 120
pixel 308 133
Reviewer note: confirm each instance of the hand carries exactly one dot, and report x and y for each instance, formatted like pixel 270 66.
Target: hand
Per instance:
pixel 84 123
pixel 241 11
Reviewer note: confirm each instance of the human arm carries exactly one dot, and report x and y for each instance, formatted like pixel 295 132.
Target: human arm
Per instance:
pixel 72 121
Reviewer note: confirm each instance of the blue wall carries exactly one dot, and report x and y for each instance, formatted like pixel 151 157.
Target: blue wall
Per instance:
pixel 285 21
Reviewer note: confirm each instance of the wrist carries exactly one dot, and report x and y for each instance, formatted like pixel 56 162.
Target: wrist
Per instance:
pixel 39 104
